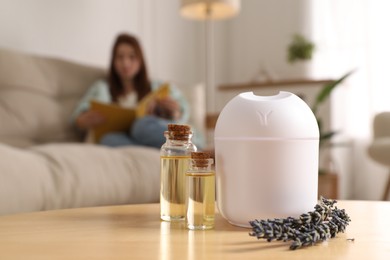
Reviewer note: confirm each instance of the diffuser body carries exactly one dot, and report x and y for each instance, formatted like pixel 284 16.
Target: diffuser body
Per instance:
pixel 266 150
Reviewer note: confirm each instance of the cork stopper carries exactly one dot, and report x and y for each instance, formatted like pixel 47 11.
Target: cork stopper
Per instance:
pixel 179 128
pixel 200 159
pixel 179 132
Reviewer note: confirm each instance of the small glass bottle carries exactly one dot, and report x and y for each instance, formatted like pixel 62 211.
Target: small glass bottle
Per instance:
pixel 200 182
pixel 175 155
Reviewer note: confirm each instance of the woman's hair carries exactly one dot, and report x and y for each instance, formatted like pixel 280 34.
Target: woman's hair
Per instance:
pixel 141 79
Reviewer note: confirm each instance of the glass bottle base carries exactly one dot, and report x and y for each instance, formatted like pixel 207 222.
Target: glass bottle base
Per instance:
pixel 201 227
pixel 173 219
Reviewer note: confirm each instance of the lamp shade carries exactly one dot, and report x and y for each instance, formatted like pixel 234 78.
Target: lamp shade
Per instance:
pixel 209 9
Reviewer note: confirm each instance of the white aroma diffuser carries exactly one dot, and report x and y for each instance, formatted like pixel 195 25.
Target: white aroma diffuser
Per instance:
pixel 266 150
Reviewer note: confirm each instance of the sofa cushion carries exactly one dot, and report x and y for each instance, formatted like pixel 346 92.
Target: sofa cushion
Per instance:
pixel 38 95
pixel 25 181
pixel 58 176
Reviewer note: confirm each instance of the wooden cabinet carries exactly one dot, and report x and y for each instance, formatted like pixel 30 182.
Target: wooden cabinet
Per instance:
pixel 328 185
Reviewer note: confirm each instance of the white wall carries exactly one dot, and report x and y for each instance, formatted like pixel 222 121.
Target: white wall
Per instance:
pixel 258 39
pixel 84 30
pixel 260 34
pixel 77 30
pixel 177 45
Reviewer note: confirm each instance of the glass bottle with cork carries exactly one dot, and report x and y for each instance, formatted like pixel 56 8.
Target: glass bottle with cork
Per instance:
pixel 200 188
pixel 175 155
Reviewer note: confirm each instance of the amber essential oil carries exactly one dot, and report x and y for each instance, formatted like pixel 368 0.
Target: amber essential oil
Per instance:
pixel 172 192
pixel 201 200
pixel 200 190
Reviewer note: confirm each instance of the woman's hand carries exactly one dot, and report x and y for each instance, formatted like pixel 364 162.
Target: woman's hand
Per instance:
pixel 89 119
pixel 166 108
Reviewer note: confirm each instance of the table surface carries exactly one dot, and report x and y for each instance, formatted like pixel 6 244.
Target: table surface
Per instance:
pixel 136 232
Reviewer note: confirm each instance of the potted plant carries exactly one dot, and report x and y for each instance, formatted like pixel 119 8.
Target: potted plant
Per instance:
pixel 299 54
pixel 321 97
pixel 328 181
pixel 300 49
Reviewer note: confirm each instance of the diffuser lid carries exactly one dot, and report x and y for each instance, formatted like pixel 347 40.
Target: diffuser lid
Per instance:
pixel 282 116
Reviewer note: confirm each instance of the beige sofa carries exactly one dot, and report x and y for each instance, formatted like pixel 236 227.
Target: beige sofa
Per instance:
pixel 43 163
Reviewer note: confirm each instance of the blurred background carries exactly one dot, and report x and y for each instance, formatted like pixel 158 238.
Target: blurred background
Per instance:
pixel 348 35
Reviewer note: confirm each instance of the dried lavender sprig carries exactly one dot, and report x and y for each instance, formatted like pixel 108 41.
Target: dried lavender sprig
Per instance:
pixel 310 228
pixel 306 230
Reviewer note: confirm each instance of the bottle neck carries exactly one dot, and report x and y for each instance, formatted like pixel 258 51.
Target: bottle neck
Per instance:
pixel 201 164
pixel 178 138
pixel 201 169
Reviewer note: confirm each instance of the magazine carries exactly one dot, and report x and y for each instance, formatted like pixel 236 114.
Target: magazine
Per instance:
pixel 120 119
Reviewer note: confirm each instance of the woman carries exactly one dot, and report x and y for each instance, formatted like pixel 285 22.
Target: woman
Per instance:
pixel 126 85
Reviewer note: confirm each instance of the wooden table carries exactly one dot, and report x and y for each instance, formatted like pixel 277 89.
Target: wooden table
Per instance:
pixel 136 232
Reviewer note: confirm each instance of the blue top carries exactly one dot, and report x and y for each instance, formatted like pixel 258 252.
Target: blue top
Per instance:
pixel 100 91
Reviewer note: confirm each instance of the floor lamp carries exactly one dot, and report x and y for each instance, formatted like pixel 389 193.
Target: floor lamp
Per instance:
pixel 209 10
